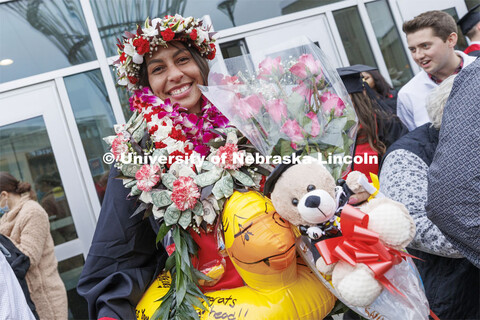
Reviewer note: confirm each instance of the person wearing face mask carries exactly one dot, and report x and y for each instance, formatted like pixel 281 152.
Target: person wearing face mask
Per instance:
pixel 431 38
pixel 166 63
pixel 26 224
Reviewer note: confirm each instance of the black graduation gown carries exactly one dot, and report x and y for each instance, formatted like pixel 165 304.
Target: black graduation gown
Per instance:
pixel 122 260
pixel 391 102
pixel 390 130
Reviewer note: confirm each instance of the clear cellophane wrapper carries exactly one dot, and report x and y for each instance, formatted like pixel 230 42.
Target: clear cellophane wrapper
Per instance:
pixel 286 99
pixel 389 305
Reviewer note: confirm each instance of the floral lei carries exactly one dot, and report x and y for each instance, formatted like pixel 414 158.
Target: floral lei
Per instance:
pixel 196 129
pixel 181 194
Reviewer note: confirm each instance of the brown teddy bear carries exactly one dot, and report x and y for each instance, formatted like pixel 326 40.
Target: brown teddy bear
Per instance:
pixel 306 195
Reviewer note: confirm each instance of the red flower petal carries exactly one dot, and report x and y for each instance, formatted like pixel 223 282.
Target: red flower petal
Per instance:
pixel 168 34
pixel 193 34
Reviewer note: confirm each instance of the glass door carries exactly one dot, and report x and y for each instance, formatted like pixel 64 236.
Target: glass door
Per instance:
pixel 35 146
pixel 411 8
pixel 315 28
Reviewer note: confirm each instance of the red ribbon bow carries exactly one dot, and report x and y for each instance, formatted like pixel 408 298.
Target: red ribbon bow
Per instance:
pixel 360 245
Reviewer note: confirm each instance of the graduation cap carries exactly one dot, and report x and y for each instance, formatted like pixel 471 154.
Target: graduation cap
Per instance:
pixel 277 172
pixel 469 20
pixel 352 78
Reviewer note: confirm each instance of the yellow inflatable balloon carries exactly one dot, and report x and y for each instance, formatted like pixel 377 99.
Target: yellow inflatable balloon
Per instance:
pixel 262 247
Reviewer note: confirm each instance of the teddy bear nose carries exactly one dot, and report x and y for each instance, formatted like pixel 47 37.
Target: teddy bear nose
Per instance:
pixel 312 202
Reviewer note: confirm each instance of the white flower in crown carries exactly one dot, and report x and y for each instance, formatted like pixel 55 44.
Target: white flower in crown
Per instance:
pixel 131 86
pixel 132 52
pixel 129 48
pixel 201 36
pixel 137 58
pixel 150 31
pixel 121 69
pixel 123 81
pixel 156 21
pixel 180 27
pixel 188 20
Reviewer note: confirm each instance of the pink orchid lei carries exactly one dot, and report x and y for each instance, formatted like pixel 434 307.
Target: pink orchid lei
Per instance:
pixel 196 129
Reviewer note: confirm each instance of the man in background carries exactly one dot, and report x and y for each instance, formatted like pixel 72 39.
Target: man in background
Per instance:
pixel 431 38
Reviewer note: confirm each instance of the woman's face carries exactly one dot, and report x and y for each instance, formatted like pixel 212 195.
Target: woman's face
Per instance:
pixel 368 79
pixel 173 74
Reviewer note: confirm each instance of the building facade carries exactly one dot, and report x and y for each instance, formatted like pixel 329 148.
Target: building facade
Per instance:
pixel 58 97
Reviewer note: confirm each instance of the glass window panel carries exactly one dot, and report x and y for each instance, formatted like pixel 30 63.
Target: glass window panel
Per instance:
pixel 234 48
pixel 123 96
pixel 70 270
pixel 354 37
pixel 471 3
pixel 290 6
pixel 95 120
pixel 230 13
pixel 390 43
pixel 115 16
pixel 41 36
pixel 462 41
pixel 27 154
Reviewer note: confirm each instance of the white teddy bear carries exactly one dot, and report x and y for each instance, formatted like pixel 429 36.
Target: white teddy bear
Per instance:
pixel 304 194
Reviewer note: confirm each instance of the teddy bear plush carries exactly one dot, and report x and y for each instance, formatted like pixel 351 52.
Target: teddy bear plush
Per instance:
pixel 306 195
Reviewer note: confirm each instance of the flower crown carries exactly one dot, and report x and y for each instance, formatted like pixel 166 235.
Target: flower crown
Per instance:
pixel 158 32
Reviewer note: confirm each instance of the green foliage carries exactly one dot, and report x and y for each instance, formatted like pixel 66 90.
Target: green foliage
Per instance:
pixel 184 294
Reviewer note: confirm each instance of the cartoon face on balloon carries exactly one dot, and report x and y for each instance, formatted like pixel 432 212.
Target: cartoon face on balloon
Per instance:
pixel 257 239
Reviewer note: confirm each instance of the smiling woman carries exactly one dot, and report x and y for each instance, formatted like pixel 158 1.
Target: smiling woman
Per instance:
pixel 162 64
pixel 173 73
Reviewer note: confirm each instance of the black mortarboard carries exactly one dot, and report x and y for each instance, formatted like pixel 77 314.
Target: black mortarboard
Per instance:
pixel 352 78
pixel 277 172
pixel 469 20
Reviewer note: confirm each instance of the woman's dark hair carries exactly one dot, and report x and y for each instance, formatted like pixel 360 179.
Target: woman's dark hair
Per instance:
pixel 9 183
pixel 368 132
pixel 381 85
pixel 199 60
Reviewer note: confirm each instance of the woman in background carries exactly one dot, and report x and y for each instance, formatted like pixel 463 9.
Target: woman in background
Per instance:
pixel 377 128
pixel 382 89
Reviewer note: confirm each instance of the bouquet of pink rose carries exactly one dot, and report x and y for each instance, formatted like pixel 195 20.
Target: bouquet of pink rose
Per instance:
pixel 292 101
